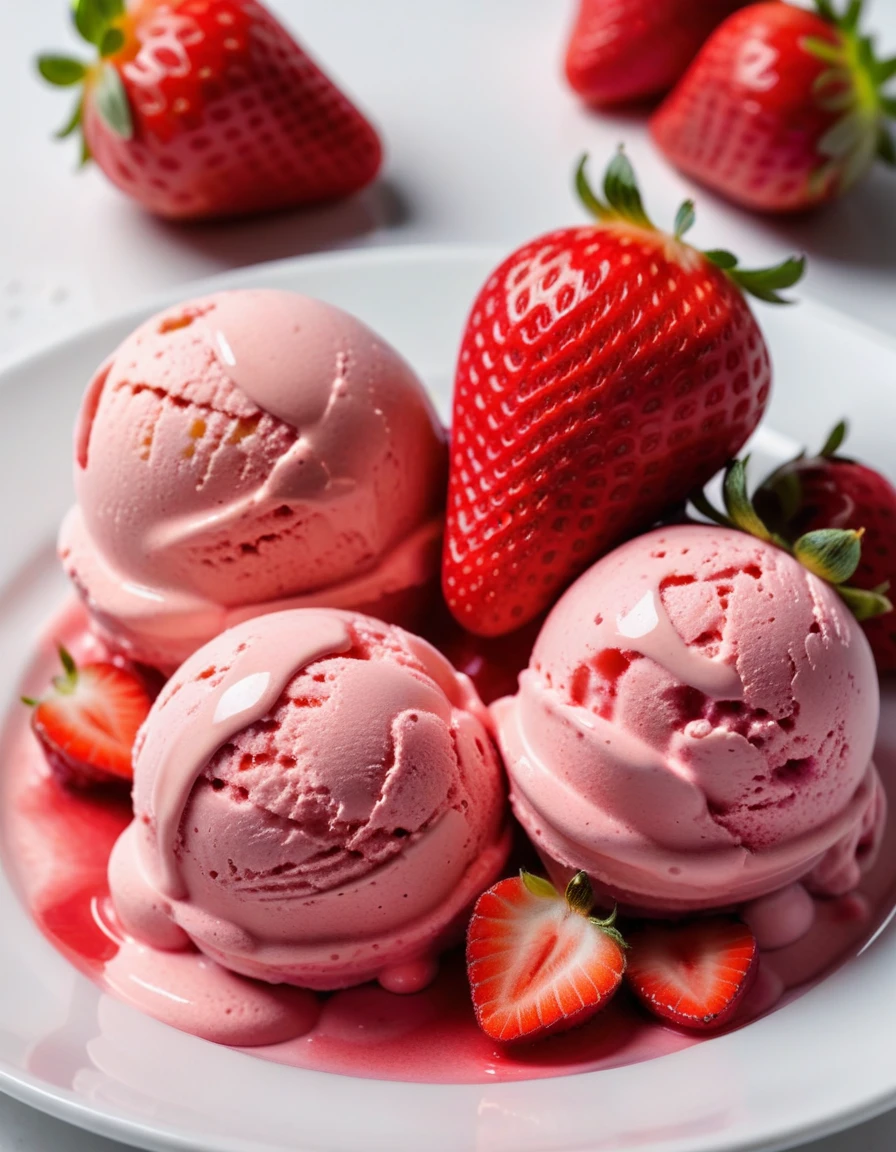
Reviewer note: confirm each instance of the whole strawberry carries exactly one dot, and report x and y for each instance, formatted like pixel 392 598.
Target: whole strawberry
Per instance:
pixel 88 721
pixel 606 370
pixel 627 49
pixel 783 108
pixel 208 108
pixel 833 491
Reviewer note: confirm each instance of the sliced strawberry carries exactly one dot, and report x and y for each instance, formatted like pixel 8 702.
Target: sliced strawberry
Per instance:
pixel 537 962
pixel 88 722
pixel 692 974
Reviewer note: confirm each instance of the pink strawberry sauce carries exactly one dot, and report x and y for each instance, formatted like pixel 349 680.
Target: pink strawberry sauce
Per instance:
pixel 56 846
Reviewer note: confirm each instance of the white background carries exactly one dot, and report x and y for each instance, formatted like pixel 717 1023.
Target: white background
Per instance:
pixel 481 138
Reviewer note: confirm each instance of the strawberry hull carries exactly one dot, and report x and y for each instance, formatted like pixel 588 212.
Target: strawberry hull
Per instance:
pixel 835 492
pixel 779 112
pixel 605 373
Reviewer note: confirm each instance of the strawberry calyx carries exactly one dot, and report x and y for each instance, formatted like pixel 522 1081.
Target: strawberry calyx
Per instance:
pixel 854 84
pixel 104 25
pixel 579 897
pixel 832 554
pixel 622 203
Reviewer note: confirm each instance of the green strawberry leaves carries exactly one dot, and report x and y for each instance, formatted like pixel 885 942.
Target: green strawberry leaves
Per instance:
pixel 622 198
pixel 537 885
pixel 97 22
pixel 93 18
pixel 835 439
pixel 67 682
pixel 866 605
pixel 853 84
pixel 61 71
pixel 762 283
pixel 832 554
pixel 622 202
pixel 685 218
pixel 112 102
pixel 622 192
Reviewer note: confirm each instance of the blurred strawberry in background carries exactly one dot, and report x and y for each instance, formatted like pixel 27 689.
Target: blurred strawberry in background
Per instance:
pixel 621 50
pixel 208 108
pixel 784 108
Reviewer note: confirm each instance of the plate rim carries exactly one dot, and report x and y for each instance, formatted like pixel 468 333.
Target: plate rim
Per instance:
pixel 66 1105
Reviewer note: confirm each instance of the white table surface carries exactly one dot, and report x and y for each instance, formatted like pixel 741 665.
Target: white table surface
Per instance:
pixel 481 138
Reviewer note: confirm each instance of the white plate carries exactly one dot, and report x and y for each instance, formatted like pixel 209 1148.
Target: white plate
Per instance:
pixel 822 1062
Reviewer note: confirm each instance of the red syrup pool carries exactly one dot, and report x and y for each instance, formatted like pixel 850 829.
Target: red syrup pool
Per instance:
pixel 56 847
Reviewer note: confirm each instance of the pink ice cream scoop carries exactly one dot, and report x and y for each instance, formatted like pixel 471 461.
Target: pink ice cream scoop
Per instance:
pixel 317 802
pixel 249 452
pixel 695 727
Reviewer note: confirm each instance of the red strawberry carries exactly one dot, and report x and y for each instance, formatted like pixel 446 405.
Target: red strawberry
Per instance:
pixel 206 108
pixel 606 370
pixel 782 109
pixel 832 491
pixel 88 722
pixel 692 974
pixel 626 49
pixel 540 963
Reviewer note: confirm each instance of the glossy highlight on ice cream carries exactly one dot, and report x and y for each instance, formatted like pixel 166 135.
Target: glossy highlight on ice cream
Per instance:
pixel 317 802
pixel 247 452
pixel 695 727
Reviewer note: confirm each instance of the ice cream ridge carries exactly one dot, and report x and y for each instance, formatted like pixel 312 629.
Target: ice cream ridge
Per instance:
pixel 248 452
pixel 317 801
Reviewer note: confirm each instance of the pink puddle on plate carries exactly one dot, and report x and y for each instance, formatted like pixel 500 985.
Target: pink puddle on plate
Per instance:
pixel 56 848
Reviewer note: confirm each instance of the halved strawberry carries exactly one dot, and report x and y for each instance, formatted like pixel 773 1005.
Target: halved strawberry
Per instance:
pixel 538 962
pixel 692 974
pixel 88 722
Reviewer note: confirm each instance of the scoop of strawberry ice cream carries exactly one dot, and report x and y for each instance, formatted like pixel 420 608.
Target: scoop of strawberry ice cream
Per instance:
pixel 247 452
pixel 695 727
pixel 317 801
